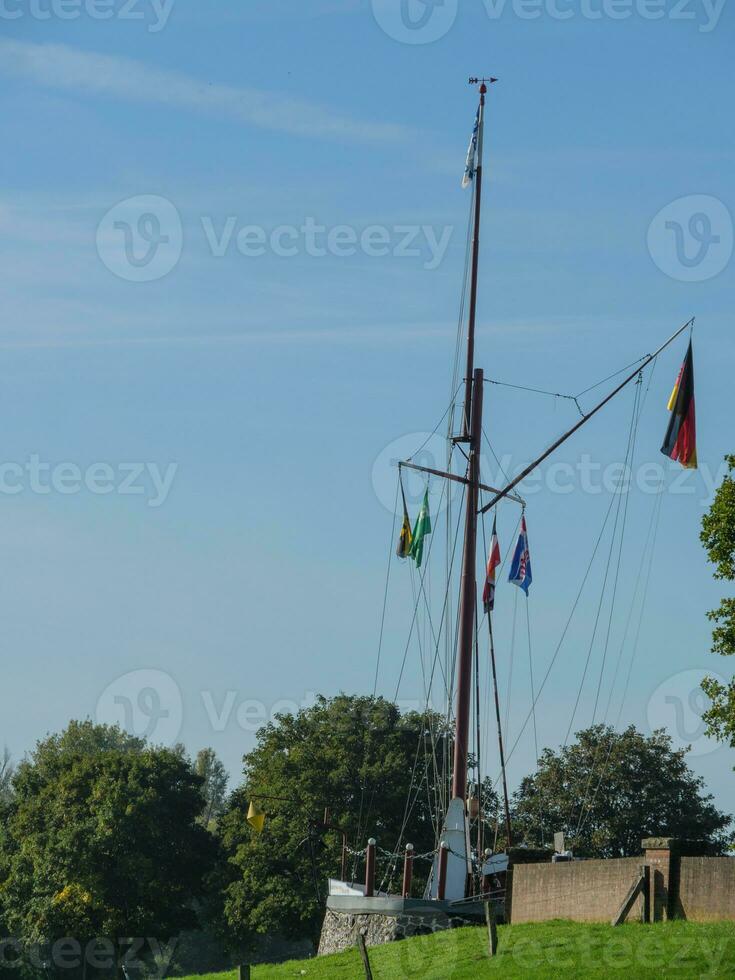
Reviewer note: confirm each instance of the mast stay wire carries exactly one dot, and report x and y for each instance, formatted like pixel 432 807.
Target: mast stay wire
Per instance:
pixel 448 412
pixel 654 524
pixel 409 803
pixel 405 654
pixel 602 593
pixel 380 647
pixel 563 636
pixel 636 416
pixel 530 670
pixel 648 556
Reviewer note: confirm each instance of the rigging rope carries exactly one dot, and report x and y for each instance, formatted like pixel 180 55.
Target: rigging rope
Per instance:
pixel 530 669
pixel 585 798
pixel 636 417
pixel 604 581
pixel 562 638
pixel 536 391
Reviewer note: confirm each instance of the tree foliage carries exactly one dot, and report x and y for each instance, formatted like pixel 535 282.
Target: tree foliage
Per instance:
pixel 214 785
pixel 358 757
pixel 718 538
pixel 101 840
pixel 608 790
pixel 6 777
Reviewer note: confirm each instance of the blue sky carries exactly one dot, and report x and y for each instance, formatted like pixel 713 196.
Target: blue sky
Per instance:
pixel 251 397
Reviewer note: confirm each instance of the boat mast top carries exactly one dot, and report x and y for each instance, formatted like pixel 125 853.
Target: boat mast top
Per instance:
pixel 476 176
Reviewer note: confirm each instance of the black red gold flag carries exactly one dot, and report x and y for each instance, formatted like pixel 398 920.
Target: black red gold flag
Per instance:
pixel 680 442
pixel 405 540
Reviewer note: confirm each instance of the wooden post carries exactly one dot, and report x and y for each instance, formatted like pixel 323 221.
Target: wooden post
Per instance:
pixel 364 954
pixel 486 881
pixel 638 887
pixel 243 972
pixel 646 911
pixel 408 871
pixel 442 883
pixel 492 930
pixel 370 869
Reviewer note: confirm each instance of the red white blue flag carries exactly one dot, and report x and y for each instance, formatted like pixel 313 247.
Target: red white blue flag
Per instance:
pixel 520 569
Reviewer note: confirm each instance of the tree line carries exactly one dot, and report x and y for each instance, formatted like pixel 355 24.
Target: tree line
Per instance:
pixel 104 837
pixel 120 857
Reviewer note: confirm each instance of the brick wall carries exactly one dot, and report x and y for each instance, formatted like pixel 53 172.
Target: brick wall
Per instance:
pixel 706 888
pixel 585 891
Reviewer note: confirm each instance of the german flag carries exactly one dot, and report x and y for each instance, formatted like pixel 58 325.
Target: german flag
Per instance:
pixel 403 549
pixel 681 436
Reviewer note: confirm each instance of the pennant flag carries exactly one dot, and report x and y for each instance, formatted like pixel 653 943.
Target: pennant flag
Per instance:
pixel 680 441
pixel 469 167
pixel 520 569
pixel 488 593
pixel 256 818
pixel 403 550
pixel 421 528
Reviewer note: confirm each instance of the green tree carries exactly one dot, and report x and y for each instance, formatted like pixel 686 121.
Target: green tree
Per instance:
pixel 101 839
pixel 214 785
pixel 718 538
pixel 357 756
pixel 607 790
pixel 6 777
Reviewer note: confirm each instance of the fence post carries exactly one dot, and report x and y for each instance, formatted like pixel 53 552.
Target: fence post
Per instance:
pixel 364 954
pixel 408 871
pixel 370 869
pixel 442 883
pixel 492 930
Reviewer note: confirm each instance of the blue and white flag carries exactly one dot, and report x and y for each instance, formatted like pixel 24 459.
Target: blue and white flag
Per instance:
pixel 469 167
pixel 520 569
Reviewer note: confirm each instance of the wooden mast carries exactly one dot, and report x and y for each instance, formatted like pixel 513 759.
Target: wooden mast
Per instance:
pixel 467 598
pixel 473 435
pixel 477 177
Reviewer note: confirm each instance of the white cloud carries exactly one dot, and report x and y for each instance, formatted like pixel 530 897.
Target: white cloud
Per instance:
pixel 59 66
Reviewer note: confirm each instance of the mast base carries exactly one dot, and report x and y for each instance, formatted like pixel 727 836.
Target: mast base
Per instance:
pixel 456 836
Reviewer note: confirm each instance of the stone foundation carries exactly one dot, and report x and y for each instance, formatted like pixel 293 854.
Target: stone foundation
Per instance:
pixel 340 929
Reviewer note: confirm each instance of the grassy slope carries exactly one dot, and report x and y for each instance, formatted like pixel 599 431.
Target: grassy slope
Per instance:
pixel 556 949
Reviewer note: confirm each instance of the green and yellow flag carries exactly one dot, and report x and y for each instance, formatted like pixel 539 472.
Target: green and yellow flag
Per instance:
pixel 403 550
pixel 421 528
pixel 256 818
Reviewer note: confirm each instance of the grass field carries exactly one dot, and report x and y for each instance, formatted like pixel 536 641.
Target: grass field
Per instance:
pixel 553 949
